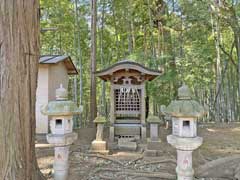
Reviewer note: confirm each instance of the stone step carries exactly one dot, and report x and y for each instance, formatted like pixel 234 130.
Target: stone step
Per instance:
pixel 127 145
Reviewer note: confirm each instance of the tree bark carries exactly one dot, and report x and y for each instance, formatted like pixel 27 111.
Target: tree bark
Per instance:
pixel 93 106
pixel 19 54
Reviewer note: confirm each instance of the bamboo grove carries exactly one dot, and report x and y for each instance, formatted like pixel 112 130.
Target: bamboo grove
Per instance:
pixel 196 42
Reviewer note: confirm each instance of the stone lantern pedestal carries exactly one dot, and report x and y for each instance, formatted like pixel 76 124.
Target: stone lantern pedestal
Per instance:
pixel 154 142
pixel 185 147
pixel 62 136
pixel 61 153
pixel 99 145
pixel 184 113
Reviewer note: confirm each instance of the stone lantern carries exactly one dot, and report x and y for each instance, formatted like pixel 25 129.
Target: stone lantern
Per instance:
pixel 184 112
pixel 61 113
pixel 99 145
pixel 154 142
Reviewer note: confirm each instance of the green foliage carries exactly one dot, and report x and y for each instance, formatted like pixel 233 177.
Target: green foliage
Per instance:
pixel 178 36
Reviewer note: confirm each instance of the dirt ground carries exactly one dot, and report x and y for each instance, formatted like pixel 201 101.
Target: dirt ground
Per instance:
pixel 220 140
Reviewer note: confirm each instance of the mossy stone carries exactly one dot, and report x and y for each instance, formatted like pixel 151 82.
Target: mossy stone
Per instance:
pixel 100 119
pixel 153 119
pixel 61 108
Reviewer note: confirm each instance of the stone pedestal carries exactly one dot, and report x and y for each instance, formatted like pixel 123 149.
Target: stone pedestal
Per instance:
pixel 61 165
pixel 185 147
pixel 153 147
pixel 143 133
pixel 99 147
pixel 154 142
pixel 153 131
pixel 111 134
pixel 184 165
pixel 61 152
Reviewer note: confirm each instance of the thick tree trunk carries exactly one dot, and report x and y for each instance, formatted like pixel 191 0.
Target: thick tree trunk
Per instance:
pixel 93 106
pixel 19 54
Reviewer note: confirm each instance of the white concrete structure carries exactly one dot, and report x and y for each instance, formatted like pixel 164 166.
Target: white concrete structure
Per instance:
pixel 52 71
pixel 184 112
pixel 61 112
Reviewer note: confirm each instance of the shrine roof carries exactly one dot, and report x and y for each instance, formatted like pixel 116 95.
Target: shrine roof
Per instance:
pixel 54 59
pixel 128 65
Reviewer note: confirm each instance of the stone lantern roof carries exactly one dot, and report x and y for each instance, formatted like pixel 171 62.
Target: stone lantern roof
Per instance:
pixel 185 106
pixel 61 106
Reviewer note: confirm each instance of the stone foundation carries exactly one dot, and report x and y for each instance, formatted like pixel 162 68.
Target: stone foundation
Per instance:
pixel 185 147
pixel 99 147
pixel 128 144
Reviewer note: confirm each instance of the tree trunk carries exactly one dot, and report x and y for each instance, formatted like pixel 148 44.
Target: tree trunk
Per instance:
pixel 19 54
pixel 103 88
pixel 116 31
pixel 237 41
pixel 93 106
pixel 216 32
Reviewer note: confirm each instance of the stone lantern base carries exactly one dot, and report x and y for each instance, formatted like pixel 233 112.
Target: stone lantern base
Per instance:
pixel 61 164
pixel 99 147
pixel 62 143
pixel 185 147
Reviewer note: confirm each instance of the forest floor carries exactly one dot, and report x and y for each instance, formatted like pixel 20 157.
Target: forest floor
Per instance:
pixel 220 140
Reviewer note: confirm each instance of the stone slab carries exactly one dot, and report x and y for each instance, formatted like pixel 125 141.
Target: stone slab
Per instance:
pixel 127 130
pixel 127 145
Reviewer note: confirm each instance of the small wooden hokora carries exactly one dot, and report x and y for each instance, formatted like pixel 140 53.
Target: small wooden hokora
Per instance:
pixel 127 99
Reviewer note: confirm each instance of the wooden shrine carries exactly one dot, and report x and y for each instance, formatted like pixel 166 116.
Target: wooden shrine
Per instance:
pixel 127 98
